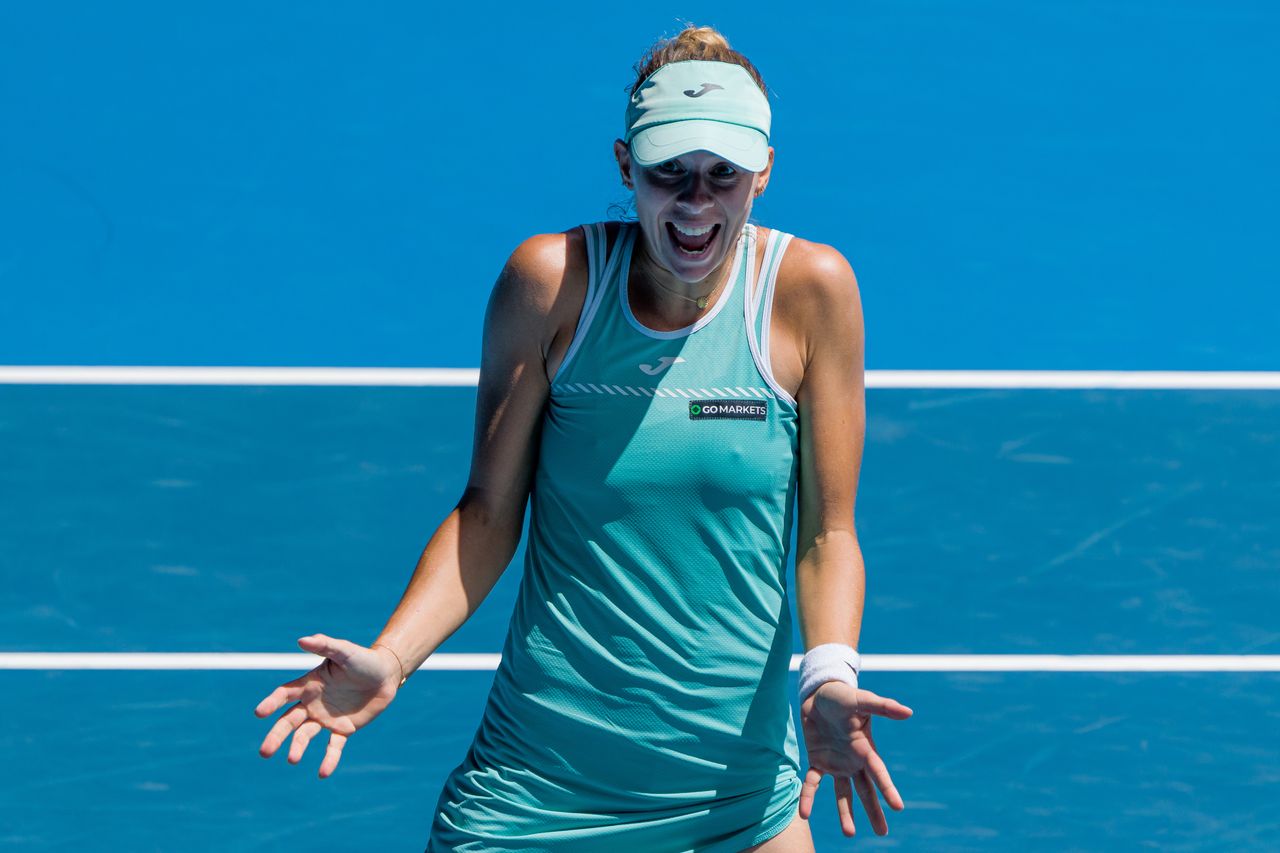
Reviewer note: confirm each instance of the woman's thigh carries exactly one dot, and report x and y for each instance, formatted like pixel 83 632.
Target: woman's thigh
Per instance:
pixel 796 838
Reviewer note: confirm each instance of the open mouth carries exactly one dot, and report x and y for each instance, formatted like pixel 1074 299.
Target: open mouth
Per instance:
pixel 693 245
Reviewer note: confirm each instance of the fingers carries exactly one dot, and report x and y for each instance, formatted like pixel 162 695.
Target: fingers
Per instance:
pixel 844 786
pixel 844 804
pixel 808 791
pixel 332 754
pixel 879 772
pixel 301 737
pixel 292 718
pixel 290 691
pixel 295 720
pixel 870 703
pixel 870 803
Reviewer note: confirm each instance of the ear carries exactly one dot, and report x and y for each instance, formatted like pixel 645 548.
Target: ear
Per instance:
pixel 762 177
pixel 622 154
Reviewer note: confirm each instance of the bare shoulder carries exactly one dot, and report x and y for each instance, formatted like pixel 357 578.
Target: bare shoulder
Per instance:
pixel 543 267
pixel 815 279
pixel 816 301
pixel 541 290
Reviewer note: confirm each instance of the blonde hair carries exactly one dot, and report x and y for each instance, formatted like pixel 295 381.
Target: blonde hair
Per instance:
pixel 692 43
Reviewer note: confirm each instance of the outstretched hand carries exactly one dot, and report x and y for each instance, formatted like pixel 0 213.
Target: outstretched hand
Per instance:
pixel 837 734
pixel 353 685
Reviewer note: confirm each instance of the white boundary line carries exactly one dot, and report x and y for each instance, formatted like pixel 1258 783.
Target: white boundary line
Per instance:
pixel 107 375
pixel 465 376
pixel 489 662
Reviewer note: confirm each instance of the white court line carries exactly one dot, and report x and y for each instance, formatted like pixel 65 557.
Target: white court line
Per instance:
pixel 465 376
pixel 108 375
pixel 483 662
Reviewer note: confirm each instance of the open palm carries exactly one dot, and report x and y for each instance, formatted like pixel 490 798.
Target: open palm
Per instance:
pixel 837 733
pixel 353 685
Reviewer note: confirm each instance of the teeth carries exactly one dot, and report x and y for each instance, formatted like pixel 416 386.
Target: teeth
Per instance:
pixel 692 232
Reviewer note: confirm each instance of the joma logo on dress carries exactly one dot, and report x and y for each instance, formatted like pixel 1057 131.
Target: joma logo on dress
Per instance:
pixel 663 363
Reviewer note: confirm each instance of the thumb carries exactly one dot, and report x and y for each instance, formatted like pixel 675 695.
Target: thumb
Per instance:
pixel 339 651
pixel 871 703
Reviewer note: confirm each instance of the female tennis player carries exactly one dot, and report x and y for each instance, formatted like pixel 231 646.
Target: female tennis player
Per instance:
pixel 664 390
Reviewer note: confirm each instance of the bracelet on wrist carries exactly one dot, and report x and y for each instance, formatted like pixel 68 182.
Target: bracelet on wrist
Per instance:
pixel 403 677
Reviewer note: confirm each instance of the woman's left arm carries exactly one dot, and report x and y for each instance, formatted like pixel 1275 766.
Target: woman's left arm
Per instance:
pixel 830 579
pixel 827 312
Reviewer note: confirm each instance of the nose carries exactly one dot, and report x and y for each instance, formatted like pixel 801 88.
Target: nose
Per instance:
pixel 696 195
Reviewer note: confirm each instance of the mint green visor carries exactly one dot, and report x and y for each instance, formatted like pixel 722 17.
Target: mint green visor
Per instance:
pixel 699 105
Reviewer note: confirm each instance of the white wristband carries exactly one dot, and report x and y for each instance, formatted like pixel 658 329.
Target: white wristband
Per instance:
pixel 828 662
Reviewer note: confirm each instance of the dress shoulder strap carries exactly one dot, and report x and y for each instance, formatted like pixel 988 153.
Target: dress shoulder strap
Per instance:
pixel 601 263
pixel 760 308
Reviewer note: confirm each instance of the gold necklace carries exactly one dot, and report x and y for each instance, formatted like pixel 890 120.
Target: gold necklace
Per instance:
pixel 701 301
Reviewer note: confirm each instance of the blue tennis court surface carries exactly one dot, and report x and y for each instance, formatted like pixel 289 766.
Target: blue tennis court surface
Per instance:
pixel 239 519
pixel 1052 186
pixel 993 521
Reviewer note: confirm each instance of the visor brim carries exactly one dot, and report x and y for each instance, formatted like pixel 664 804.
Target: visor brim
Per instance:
pixel 745 147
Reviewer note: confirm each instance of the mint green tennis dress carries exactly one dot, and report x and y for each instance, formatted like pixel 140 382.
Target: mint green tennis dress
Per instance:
pixel 642 702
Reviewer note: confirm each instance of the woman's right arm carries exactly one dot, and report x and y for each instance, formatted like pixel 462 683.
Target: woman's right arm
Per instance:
pixel 474 544
pixel 524 325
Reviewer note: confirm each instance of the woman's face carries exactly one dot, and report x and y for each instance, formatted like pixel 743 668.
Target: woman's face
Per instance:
pixel 698 192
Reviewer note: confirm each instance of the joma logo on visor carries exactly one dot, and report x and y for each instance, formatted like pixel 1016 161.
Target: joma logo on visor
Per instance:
pixel 706 87
pixel 742 410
